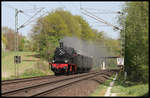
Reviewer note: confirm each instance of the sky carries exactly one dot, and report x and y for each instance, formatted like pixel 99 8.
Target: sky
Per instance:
pixel 104 10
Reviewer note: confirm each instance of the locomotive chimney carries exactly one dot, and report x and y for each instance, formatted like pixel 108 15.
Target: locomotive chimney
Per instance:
pixel 61 44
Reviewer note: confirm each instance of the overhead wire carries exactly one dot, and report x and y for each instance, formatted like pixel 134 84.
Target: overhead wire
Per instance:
pixel 31 17
pixel 9 6
pixel 97 18
pixel 102 10
pixel 28 21
pixel 38 17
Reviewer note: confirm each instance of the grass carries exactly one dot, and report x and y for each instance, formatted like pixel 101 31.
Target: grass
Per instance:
pixel 130 88
pixel 123 88
pixel 30 65
pixel 100 91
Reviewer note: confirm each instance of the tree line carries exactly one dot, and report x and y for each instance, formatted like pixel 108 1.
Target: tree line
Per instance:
pixel 59 23
pixel 8 39
pixel 48 30
pixel 134 22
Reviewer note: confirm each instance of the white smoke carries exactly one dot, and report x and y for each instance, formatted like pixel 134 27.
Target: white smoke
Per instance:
pixel 95 50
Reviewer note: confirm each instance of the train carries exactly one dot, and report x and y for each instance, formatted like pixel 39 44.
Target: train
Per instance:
pixel 67 60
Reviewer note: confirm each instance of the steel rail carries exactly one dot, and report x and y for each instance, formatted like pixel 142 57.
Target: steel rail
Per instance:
pixel 37 85
pixel 5 82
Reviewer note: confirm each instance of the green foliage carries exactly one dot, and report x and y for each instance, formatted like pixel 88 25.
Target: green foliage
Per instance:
pixel 135 25
pixel 129 88
pixel 9 39
pixel 4 39
pixel 57 24
pixel 86 32
pixel 21 43
pixel 31 73
pixel 30 65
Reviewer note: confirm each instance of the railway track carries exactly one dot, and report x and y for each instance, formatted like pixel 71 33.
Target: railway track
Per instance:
pixel 43 88
pixel 23 83
pixel 6 82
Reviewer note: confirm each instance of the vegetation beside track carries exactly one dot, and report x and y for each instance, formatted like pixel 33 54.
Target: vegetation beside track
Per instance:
pixel 100 91
pixel 31 65
pixel 128 88
pixel 135 26
pixel 122 88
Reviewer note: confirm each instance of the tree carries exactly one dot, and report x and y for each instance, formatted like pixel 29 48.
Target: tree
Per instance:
pixel 10 39
pixel 21 43
pixel 4 40
pixel 87 33
pixel 9 33
pixel 135 19
pixel 59 23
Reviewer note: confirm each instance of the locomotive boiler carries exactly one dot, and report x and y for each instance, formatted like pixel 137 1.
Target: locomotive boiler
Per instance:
pixel 67 60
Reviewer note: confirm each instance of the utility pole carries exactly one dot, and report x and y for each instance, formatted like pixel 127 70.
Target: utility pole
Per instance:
pixel 16 24
pixel 122 41
pixel 17 59
pixel 16 42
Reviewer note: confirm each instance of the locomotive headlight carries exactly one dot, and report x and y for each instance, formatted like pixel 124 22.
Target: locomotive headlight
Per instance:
pixel 66 61
pixel 53 61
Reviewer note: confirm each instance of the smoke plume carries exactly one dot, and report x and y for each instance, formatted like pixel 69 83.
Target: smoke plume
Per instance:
pixel 95 50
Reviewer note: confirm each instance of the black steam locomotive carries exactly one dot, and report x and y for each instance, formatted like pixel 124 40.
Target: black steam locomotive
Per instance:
pixel 66 60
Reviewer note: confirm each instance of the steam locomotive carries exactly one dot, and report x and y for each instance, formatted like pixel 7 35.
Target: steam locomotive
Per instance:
pixel 67 60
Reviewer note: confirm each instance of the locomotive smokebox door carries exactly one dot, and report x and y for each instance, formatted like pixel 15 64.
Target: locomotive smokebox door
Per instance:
pixel 61 44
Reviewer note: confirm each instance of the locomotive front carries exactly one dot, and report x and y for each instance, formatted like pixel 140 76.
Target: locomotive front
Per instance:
pixel 62 60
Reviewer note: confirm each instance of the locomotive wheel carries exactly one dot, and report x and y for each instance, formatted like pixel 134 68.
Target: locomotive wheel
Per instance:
pixel 85 69
pixel 88 69
pixel 56 74
pixel 68 73
pixel 81 70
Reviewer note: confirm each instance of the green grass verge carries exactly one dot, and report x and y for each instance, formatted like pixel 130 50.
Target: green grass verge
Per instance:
pixel 123 88
pixel 100 91
pixel 130 88
pixel 29 67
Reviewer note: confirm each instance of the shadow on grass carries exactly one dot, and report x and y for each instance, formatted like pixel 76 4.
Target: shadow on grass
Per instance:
pixel 145 95
pixel 121 82
pixel 35 55
pixel 125 83
pixel 30 60
pixel 103 80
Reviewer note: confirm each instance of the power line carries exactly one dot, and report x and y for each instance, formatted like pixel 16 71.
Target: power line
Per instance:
pixel 17 11
pixel 9 6
pixel 103 11
pixel 103 21
pixel 100 26
pixel 106 12
pixel 61 4
pixel 38 17
pixel 27 14
pixel 97 18
pixel 28 21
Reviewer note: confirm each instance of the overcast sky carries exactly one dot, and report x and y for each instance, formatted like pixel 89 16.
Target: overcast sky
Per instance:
pixel 104 10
